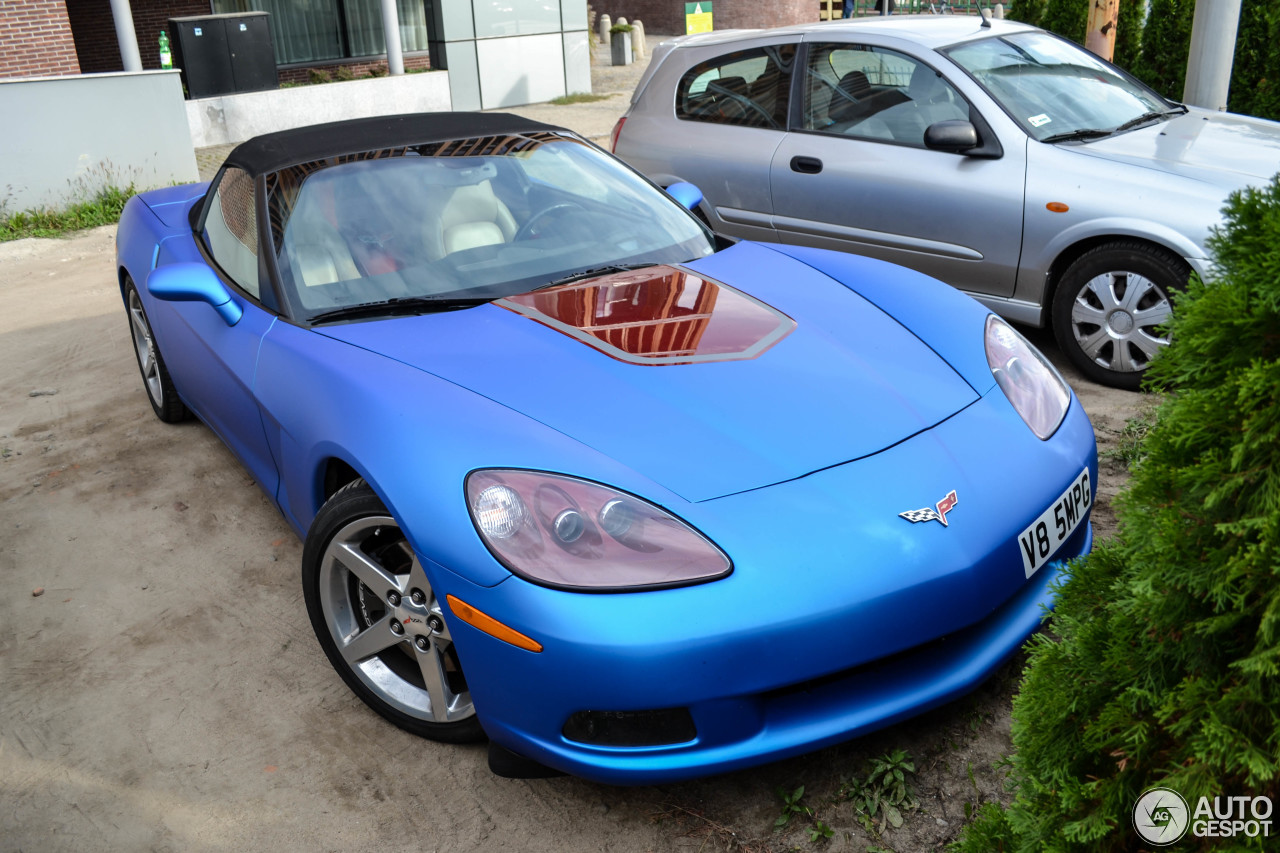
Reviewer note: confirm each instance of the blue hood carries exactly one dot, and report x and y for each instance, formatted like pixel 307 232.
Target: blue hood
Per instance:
pixel 845 382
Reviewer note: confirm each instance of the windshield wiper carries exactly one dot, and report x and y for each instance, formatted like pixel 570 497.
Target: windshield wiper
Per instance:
pixel 1146 117
pixel 402 305
pixel 592 273
pixel 1080 135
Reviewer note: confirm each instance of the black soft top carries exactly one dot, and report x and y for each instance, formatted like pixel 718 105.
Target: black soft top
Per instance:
pixel 273 151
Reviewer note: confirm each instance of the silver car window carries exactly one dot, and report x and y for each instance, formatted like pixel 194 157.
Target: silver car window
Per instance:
pixel 746 87
pixel 1052 87
pixel 874 93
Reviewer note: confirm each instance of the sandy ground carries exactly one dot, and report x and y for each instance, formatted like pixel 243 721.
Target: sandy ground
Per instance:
pixel 165 691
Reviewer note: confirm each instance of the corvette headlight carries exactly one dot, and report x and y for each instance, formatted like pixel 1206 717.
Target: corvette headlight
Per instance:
pixel 565 532
pixel 1027 378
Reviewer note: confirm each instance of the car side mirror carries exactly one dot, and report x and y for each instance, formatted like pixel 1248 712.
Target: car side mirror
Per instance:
pixel 194 283
pixel 686 193
pixel 956 136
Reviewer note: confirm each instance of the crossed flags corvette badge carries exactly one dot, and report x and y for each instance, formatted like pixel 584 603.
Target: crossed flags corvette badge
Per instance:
pixel 938 513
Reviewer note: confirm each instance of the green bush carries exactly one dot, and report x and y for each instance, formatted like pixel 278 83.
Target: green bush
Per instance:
pixel 1027 11
pixel 1070 19
pixel 1255 75
pixel 1166 673
pixel 1066 18
pixel 1166 41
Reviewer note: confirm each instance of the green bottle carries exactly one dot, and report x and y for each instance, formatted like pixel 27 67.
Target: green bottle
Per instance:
pixel 166 58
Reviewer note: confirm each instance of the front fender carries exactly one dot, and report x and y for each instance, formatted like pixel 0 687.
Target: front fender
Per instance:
pixel 137 236
pixel 411 435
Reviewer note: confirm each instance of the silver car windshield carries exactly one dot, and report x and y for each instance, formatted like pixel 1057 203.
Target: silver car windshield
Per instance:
pixel 465 220
pixel 1055 89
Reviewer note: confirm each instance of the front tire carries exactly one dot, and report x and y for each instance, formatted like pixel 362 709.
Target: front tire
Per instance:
pixel 379 621
pixel 155 376
pixel 1109 306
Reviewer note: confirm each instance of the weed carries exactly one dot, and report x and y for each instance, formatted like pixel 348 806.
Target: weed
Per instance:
pixel 342 73
pixel 885 791
pixel 578 98
pixel 792 806
pixel 820 831
pixel 103 208
pixel 319 75
pixel 1128 451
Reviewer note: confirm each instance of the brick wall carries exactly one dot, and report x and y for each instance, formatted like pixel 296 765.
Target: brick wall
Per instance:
pixel 95 37
pixel 35 39
pixel 95 30
pixel 666 17
pixel 152 16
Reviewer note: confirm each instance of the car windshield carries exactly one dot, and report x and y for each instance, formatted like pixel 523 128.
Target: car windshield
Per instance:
pixel 1055 89
pixel 474 219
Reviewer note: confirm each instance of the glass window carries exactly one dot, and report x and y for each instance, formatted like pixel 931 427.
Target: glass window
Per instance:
pixel 231 229
pixel 749 88
pixel 1052 87
pixel 475 218
pixel 873 93
pixel 323 30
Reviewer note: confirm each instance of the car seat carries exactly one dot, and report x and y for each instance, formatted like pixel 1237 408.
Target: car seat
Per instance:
pixel 470 216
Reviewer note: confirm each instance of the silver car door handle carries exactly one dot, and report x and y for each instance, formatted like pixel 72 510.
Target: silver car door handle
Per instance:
pixel 806 165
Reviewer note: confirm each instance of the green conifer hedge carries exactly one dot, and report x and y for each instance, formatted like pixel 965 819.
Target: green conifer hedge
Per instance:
pixel 1167 670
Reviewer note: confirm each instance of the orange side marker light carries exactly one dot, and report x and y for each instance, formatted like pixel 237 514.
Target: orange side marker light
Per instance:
pixel 491 626
pixel 1057 207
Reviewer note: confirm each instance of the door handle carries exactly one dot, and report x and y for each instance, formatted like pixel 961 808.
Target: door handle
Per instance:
pixel 806 165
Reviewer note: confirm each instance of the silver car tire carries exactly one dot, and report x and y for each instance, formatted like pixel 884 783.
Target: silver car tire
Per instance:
pixel 155 376
pixel 1110 306
pixel 379 622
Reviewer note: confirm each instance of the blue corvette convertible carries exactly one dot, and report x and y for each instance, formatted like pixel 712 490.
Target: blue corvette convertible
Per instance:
pixel 634 501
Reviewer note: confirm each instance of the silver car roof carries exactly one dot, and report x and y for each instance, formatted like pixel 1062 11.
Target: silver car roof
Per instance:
pixel 930 31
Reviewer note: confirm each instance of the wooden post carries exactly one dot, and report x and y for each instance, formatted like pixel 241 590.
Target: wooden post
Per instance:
pixel 1100 37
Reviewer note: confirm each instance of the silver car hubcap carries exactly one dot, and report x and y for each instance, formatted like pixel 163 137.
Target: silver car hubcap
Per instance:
pixel 145 348
pixel 388 624
pixel 1114 319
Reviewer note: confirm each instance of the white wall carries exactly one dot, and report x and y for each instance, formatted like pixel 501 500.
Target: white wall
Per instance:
pixel 505 53
pixel 235 118
pixel 64 138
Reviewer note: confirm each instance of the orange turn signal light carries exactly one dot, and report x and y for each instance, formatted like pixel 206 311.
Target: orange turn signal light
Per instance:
pixel 1057 207
pixel 491 626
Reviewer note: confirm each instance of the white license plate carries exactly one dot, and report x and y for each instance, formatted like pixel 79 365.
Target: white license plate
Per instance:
pixel 1041 539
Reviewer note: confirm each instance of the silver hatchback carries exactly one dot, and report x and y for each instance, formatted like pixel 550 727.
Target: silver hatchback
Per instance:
pixel 1004 160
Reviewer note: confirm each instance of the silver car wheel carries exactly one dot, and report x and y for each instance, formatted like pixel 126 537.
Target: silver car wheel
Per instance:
pixel 144 347
pixel 387 624
pixel 1114 319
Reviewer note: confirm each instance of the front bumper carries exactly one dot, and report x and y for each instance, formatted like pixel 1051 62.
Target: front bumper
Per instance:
pixel 822 633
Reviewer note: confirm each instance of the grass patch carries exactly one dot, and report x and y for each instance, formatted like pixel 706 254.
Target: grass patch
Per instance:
pixel 103 208
pixel 578 98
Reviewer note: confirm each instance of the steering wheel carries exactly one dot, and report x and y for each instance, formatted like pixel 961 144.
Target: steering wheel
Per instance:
pixel 743 101
pixel 527 229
